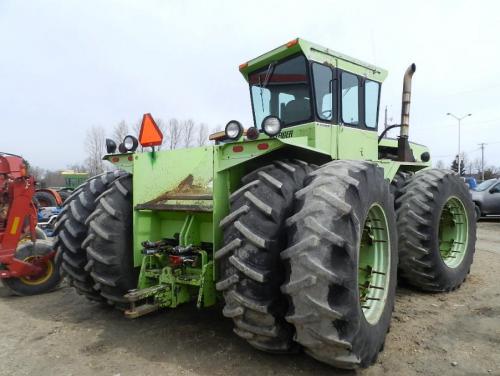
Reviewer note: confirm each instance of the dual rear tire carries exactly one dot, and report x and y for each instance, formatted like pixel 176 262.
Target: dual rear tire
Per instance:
pixel 340 257
pixel 93 238
pixel 250 269
pixel 437 231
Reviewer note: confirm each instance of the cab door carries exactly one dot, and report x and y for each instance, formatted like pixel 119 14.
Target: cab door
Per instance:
pixel 326 107
pixel 355 139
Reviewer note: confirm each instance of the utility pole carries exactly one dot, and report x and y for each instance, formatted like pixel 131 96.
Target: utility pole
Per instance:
pixel 482 160
pixel 459 121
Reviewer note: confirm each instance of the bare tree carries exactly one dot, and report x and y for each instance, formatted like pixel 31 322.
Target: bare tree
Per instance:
pixel 440 164
pixel 53 178
pixel 76 167
pixel 469 167
pixel 36 172
pixel 491 172
pixel 188 132
pixel 174 133
pixel 120 131
pixel 476 166
pixel 94 146
pixel 202 137
pixel 213 130
pixel 136 128
pixel 163 128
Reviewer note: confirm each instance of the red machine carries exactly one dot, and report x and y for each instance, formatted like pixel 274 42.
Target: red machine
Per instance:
pixel 27 264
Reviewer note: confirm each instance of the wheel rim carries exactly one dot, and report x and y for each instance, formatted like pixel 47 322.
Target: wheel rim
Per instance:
pixel 47 268
pixel 374 264
pixel 453 232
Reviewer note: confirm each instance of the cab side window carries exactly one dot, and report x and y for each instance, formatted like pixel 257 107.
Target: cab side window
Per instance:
pixel 350 98
pixel 323 88
pixel 372 89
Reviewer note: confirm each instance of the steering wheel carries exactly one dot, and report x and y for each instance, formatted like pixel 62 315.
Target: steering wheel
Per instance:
pixel 327 113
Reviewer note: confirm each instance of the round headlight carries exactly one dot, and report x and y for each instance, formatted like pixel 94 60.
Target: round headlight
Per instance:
pixel 122 149
pixel 271 125
pixel 234 130
pixel 130 143
pixel 110 146
pixel 252 133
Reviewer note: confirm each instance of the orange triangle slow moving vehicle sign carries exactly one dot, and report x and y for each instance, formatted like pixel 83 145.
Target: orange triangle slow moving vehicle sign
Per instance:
pixel 150 134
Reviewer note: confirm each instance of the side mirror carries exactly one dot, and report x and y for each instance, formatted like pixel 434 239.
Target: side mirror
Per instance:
pixel 495 190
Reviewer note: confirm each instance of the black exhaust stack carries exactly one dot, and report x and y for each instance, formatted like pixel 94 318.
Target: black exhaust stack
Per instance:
pixel 404 151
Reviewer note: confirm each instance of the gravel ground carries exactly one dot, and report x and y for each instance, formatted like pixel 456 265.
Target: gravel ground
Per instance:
pixel 432 334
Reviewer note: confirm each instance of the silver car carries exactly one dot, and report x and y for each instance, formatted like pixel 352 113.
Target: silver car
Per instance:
pixel 486 196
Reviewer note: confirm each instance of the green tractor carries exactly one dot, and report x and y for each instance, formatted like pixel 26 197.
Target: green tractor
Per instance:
pixel 300 224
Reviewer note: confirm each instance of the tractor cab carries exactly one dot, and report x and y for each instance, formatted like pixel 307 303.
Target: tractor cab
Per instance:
pixel 301 82
pixel 326 98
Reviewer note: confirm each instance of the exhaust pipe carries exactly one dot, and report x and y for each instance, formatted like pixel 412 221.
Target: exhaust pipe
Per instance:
pixel 405 104
pixel 404 152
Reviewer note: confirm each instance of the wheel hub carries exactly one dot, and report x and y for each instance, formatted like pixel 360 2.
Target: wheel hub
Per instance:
pixel 374 264
pixel 46 268
pixel 453 230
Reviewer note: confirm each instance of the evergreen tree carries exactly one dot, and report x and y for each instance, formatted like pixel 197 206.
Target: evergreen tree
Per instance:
pixel 454 166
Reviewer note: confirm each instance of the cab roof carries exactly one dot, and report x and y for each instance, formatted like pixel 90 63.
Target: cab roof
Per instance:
pixel 317 53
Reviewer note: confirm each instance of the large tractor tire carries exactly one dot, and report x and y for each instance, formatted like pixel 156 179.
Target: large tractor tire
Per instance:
pixel 399 182
pixel 65 194
pixel 45 199
pixel 342 258
pixel 109 243
pixel 250 268
pixel 437 230
pixel 71 231
pixel 46 280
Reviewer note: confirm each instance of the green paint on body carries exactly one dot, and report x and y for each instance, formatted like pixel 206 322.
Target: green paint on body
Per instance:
pixel 182 195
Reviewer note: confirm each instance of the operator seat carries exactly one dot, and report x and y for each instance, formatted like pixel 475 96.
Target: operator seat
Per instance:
pixel 296 110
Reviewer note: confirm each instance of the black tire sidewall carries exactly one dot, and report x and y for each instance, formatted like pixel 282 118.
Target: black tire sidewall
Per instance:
pixel 45 197
pixel 477 210
pixel 368 339
pixel 444 274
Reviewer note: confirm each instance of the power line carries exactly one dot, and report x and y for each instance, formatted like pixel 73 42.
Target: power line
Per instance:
pixel 454 154
pixel 484 88
pixel 475 122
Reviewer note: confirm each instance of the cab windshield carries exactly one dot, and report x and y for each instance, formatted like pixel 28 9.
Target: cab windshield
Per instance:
pixel 282 90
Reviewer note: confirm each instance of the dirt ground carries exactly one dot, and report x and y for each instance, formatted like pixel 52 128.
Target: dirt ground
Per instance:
pixel 432 334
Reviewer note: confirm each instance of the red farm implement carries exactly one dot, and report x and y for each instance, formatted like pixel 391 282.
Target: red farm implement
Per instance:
pixel 27 265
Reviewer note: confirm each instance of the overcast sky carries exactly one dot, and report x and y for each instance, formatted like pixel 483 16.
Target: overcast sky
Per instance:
pixel 68 65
